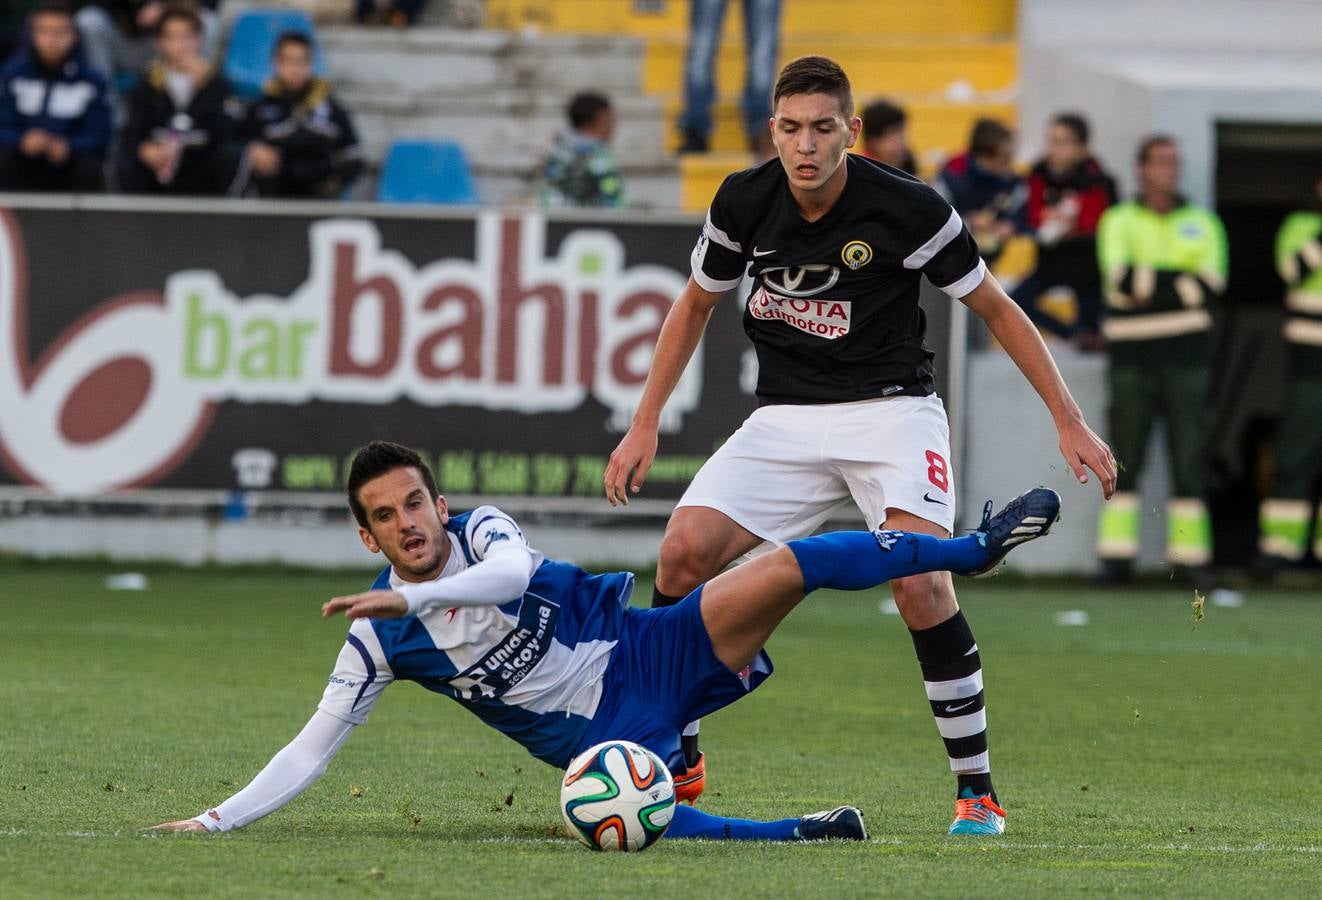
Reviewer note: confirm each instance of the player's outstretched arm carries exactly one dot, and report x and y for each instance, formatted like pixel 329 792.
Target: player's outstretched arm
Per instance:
pixel 1079 444
pixel 680 333
pixel 288 774
pixel 502 576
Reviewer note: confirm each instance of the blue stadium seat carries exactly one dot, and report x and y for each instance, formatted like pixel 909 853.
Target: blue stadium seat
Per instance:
pixel 248 58
pixel 426 172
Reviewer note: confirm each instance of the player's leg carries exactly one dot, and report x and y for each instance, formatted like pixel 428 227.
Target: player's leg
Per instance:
pixel 1130 413
pixel 753 489
pixel 742 607
pixel 842 823
pixel 952 677
pixel 699 543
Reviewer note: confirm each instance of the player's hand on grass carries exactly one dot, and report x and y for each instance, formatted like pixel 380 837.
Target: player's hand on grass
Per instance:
pixel 185 825
pixel 1082 448
pixel 371 604
pixel 628 465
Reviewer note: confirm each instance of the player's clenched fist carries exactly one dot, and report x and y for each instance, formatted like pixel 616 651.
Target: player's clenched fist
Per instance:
pixel 371 604
pixel 633 457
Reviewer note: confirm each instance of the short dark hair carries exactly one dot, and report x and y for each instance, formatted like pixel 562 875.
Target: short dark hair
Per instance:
pixel 375 460
pixel 1075 123
pixel 1151 142
pixel 584 107
pixel 178 12
pixel 881 116
pixel 988 137
pixel 292 37
pixel 815 75
pixel 51 8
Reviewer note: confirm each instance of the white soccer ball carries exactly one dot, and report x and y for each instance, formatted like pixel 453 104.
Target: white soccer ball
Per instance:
pixel 617 796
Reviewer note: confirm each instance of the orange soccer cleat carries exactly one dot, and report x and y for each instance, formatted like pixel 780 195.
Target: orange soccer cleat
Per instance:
pixel 690 785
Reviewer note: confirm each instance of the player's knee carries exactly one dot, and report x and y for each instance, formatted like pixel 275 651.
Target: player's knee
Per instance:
pixel 684 562
pixel 921 596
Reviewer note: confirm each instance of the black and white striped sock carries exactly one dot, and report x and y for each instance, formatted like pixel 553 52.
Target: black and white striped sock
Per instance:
pixel 952 675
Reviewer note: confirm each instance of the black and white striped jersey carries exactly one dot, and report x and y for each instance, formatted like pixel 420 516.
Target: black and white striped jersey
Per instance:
pixel 833 313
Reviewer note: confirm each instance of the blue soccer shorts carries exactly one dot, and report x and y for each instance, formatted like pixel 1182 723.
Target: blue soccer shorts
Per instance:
pixel 662 675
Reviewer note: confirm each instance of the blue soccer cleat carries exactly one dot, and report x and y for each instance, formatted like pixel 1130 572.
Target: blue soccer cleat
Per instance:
pixel 844 823
pixel 977 815
pixel 1025 518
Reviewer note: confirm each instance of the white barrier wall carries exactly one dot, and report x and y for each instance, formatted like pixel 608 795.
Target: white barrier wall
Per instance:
pixel 1175 66
pixel 1010 446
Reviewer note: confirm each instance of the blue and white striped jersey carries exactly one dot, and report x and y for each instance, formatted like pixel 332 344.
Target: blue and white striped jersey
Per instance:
pixel 530 668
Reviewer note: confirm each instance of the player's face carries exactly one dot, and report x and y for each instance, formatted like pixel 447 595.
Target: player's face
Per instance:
pixel 405 524
pixel 812 135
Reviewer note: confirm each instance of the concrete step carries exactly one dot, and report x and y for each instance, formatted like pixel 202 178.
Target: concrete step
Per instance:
pixel 874 66
pixel 893 18
pixel 499 127
pixel 456 61
pixel 647 188
pixel 937 129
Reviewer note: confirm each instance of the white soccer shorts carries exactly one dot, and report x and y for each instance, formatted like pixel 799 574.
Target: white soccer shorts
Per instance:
pixel 790 468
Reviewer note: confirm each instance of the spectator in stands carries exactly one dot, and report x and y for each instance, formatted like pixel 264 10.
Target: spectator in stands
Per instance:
pixel 1162 259
pixel 1286 515
pixel 984 188
pixel 180 135
pixel 580 169
pixel 54 109
pixel 299 142
pixel 119 35
pixel 762 36
pixel 1067 193
pixel 885 136
pixel 396 13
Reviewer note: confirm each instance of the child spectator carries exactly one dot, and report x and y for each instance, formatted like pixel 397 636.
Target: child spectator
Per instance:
pixel 581 170
pixel 1067 193
pixel 54 109
pixel 984 188
pixel 885 136
pixel 181 127
pixel 118 35
pixel 299 141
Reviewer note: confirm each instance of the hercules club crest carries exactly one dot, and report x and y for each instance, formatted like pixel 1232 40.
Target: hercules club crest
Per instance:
pixel 856 255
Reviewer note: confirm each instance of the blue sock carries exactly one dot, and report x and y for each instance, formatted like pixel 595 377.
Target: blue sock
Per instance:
pixel 694 823
pixel 855 560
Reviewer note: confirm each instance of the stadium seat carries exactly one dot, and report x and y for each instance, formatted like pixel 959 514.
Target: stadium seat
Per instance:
pixel 426 172
pixel 248 57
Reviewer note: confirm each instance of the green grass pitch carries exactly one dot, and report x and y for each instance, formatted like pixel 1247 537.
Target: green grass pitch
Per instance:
pixel 1142 754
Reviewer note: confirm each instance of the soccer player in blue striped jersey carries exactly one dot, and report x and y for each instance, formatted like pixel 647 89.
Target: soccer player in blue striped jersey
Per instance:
pixel 554 657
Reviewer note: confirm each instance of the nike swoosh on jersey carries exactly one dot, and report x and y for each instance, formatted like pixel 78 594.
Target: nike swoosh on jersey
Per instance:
pixel 931 499
pixel 757 252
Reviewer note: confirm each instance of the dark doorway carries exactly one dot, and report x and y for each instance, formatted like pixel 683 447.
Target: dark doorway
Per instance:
pixel 1264 172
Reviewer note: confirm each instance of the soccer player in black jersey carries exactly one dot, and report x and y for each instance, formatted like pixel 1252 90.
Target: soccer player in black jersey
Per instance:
pixel 836 245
